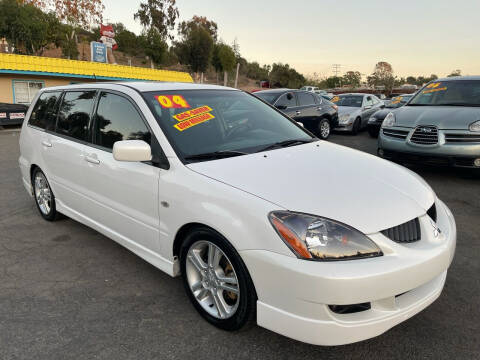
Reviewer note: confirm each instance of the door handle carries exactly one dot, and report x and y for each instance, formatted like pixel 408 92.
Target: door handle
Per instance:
pixel 46 143
pixel 319 108
pixel 298 112
pixel 92 160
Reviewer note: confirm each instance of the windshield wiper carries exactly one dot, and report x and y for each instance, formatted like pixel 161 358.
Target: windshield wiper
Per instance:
pixel 419 105
pixel 287 143
pixel 215 155
pixel 458 104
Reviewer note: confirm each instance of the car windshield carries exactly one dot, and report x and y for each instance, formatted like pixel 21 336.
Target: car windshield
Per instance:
pixel 452 92
pixel 223 122
pixel 267 96
pixel 348 100
pixel 398 101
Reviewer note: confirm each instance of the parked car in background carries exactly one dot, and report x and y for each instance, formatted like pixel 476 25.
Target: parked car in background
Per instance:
pixel 440 125
pixel 249 216
pixel 354 110
pixel 12 114
pixel 309 88
pixel 315 113
pixel 376 120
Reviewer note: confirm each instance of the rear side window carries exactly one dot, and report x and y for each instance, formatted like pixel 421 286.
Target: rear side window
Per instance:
pixel 117 119
pixel 305 99
pixel 285 101
pixel 44 112
pixel 74 114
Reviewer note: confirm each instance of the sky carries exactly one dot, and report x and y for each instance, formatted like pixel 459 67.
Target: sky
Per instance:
pixel 417 37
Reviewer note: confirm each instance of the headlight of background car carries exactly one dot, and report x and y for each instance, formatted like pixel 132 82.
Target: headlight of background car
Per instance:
pixel 342 119
pixel 389 120
pixel 315 238
pixel 475 126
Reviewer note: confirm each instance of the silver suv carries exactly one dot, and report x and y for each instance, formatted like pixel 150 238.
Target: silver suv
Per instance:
pixel 440 125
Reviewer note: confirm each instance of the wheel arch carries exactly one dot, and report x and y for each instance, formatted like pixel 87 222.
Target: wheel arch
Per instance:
pixel 186 229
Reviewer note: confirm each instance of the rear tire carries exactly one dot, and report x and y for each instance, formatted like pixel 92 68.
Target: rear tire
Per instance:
pixel 323 129
pixel 205 279
pixel 44 198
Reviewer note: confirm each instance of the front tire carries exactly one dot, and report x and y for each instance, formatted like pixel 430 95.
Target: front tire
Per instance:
pixel 216 280
pixel 323 129
pixel 356 126
pixel 44 198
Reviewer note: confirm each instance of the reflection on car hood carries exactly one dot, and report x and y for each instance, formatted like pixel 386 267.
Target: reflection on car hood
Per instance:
pixel 444 117
pixel 348 110
pixel 382 114
pixel 333 181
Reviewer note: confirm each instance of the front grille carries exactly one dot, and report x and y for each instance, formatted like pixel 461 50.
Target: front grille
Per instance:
pixel 398 134
pixel 425 135
pixel 461 138
pixel 404 233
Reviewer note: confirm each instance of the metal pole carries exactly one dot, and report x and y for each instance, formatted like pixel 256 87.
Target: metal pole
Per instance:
pixel 236 77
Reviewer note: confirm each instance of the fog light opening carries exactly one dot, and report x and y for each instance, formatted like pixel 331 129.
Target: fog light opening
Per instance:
pixel 350 309
pixel 476 162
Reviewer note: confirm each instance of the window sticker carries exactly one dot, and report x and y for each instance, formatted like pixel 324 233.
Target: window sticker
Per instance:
pixel 434 87
pixel 192 113
pixel 335 99
pixel 17 116
pixel 397 100
pixel 186 124
pixel 3 115
pixel 172 101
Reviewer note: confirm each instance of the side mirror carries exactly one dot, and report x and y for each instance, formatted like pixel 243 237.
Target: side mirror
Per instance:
pixel 132 150
pixel 289 96
pixel 281 107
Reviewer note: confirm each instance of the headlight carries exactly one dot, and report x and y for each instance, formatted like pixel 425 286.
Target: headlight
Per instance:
pixel 389 120
pixel 344 118
pixel 315 238
pixel 475 126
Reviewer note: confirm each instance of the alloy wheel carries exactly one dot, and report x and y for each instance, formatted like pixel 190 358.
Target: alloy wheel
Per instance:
pixel 212 279
pixel 43 195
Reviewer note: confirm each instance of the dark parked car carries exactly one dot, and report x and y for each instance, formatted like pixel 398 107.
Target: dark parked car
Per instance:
pixel 315 113
pixel 376 120
pixel 12 114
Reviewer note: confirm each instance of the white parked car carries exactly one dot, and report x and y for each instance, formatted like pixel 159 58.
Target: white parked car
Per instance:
pixel 215 185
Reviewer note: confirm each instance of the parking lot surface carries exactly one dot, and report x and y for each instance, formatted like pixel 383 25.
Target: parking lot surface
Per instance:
pixel 67 292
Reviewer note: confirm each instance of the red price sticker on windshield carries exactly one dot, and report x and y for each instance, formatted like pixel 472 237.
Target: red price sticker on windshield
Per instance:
pixel 172 101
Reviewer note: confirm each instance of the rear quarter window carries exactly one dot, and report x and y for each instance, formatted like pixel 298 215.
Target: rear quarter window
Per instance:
pixel 75 113
pixel 44 112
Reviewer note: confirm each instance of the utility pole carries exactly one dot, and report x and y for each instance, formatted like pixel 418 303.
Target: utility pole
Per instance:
pixel 336 69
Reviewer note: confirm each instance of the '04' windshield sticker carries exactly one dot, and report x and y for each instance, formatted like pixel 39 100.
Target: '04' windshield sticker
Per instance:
pixel 335 99
pixel 172 101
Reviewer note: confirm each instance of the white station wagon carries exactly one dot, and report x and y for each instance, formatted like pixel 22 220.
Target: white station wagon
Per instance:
pixel 212 184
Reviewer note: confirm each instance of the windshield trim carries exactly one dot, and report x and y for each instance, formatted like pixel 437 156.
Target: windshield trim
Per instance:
pixel 177 151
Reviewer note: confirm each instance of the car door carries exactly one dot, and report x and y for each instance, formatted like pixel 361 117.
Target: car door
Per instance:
pixel 367 109
pixel 287 103
pixel 307 108
pixel 123 196
pixel 63 148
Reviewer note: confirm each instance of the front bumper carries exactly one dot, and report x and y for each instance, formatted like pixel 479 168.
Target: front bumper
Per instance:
pixel 344 127
pixel 294 296
pixel 457 154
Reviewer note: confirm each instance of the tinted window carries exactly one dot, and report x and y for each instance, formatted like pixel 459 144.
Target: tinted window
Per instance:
pixel 305 99
pixel 74 114
pixel 453 92
pixel 117 120
pixel 204 121
pixel 285 101
pixel 43 114
pixel 267 96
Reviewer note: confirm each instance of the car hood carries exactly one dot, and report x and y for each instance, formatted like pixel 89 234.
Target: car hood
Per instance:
pixel 444 117
pixel 333 181
pixel 347 110
pixel 381 114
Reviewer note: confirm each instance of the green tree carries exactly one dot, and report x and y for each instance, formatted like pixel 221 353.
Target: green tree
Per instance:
pixel 154 46
pixel 352 78
pixel 457 72
pixel 223 60
pixel 185 27
pixel 333 82
pixel 382 76
pixel 256 72
pixel 127 41
pixel 282 75
pixel 196 49
pixel 158 17
pixel 26 27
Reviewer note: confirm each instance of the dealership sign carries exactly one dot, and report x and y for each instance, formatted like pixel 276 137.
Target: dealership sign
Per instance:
pixel 98 52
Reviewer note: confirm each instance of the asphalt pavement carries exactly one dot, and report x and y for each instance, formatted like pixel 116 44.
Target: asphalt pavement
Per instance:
pixel 67 292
